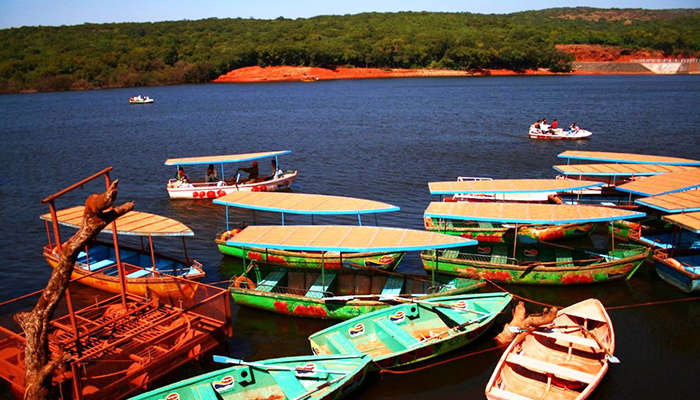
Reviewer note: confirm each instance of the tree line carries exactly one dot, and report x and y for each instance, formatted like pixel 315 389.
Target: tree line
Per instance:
pixel 142 54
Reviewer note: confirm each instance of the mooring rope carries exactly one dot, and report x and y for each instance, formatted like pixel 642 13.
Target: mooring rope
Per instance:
pixel 421 368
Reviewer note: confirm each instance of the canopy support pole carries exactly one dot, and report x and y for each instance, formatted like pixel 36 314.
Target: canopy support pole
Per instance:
pixel 515 241
pixel 184 246
pixel 612 236
pixel 312 219
pixel 222 172
pixel 227 228
pixel 323 269
pixel 376 220
pixel 434 269
pixel 120 266
pixel 283 219
pixel 153 256
pixel 359 219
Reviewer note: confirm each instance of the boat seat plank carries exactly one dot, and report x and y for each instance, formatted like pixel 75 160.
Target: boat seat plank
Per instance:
pixel 563 337
pixel 450 253
pixel 564 257
pixel 504 394
pixel 396 332
pixel 100 264
pixel 288 382
pixel 393 286
pixel 270 281
pixel 341 343
pixel 499 254
pixel 454 315
pixel 550 368
pixel 139 273
pixel 318 288
pixel 485 225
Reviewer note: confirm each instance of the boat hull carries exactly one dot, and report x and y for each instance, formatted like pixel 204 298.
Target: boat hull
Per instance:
pixel 279 382
pixel 535 274
pixel 396 336
pixel 200 190
pixel 163 285
pixel 559 134
pixel 308 260
pixel 298 305
pixel 673 271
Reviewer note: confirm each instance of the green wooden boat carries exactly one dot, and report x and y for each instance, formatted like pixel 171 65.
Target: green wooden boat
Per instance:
pixel 538 264
pixel 489 232
pixel 303 377
pixel 308 259
pixel 415 331
pixel 338 294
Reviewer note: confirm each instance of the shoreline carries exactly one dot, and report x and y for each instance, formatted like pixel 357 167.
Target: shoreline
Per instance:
pixel 257 74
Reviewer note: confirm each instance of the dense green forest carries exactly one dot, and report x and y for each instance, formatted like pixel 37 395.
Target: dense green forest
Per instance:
pixel 141 54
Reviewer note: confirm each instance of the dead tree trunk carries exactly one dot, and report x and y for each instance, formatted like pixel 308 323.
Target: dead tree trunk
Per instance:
pixel 524 321
pixel 39 366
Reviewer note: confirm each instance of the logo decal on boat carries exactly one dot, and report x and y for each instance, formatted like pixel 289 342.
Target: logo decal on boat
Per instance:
pixel 530 252
pixel 398 316
pixel 308 369
pixel 225 383
pixel 461 304
pixel 483 250
pixel 172 396
pixel 356 330
pixel 386 259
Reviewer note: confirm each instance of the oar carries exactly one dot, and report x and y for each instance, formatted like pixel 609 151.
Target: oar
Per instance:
pixel 611 357
pixel 319 387
pixel 378 296
pixel 235 361
pixel 435 304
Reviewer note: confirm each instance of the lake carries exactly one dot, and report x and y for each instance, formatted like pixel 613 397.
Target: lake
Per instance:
pixel 376 139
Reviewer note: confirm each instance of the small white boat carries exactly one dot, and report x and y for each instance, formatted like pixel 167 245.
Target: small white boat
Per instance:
pixel 140 100
pixel 558 133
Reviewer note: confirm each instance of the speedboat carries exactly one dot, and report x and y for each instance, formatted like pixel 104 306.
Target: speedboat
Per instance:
pixel 140 100
pixel 558 133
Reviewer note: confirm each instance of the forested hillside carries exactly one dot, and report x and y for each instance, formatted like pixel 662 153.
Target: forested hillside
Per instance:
pixel 139 54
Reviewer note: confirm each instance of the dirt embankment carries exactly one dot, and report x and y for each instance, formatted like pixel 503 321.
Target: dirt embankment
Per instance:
pixel 290 73
pixel 600 53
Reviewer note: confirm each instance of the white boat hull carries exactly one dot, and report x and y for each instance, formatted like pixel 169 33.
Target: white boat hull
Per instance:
pixel 201 190
pixel 558 134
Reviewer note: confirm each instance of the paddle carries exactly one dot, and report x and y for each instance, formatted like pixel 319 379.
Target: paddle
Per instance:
pixel 235 361
pixel 378 296
pixel 435 304
pixel 319 387
pixel 612 358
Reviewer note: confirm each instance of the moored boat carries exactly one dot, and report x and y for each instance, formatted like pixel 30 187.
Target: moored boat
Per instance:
pixel 338 294
pixel 531 223
pixel 566 359
pixel 623 158
pixel 302 377
pixel 540 264
pixel 415 331
pixel 516 190
pixel 677 265
pixel 304 204
pixel 214 186
pixel 145 270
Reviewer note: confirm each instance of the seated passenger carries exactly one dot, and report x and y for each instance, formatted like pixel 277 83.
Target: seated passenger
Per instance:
pixel 252 172
pixel 211 174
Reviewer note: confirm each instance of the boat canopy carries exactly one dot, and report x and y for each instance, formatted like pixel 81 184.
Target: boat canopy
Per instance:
pixel 302 203
pixel 625 158
pixel 617 169
pixel 233 158
pixel 689 221
pixel 663 184
pixel 527 213
pixel 135 223
pixel 674 202
pixel 343 238
pixel 510 186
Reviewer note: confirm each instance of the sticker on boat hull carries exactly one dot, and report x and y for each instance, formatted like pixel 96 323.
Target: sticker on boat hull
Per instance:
pixel 224 384
pixel 461 305
pixel 172 396
pixel 397 316
pixel 307 369
pixel 357 330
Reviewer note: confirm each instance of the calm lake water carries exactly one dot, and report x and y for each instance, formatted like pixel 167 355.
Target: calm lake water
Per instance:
pixel 376 139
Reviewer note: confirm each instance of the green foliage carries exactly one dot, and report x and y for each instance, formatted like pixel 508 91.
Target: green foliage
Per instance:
pixel 137 54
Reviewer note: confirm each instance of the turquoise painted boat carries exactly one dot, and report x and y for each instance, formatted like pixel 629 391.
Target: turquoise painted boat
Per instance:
pixel 338 294
pixel 415 331
pixel 299 378
pixel 680 266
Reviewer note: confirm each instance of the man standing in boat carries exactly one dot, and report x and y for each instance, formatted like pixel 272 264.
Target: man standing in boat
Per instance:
pixel 252 172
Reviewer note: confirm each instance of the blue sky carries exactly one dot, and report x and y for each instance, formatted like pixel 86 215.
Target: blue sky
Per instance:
pixel 15 13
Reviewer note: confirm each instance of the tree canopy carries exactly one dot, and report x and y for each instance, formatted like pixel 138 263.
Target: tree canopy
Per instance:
pixel 142 54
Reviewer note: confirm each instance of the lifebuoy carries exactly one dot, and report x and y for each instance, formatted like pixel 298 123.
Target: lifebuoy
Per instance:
pixel 241 280
pixel 674 262
pixel 220 192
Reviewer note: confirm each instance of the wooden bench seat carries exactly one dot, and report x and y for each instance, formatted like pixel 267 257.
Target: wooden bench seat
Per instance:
pixel 549 368
pixel 396 332
pixel 341 344
pixel 320 287
pixel 568 338
pixel 270 281
pixel 393 286
pixel 504 394
pixel 288 382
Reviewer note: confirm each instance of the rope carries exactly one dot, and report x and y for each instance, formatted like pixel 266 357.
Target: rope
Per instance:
pixel 421 368
pixel 611 308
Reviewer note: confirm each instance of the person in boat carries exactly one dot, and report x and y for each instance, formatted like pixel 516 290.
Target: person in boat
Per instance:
pixel 181 175
pixel 276 172
pixel 211 174
pixel 252 172
pixel 537 124
pixel 555 124
pixel 543 125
